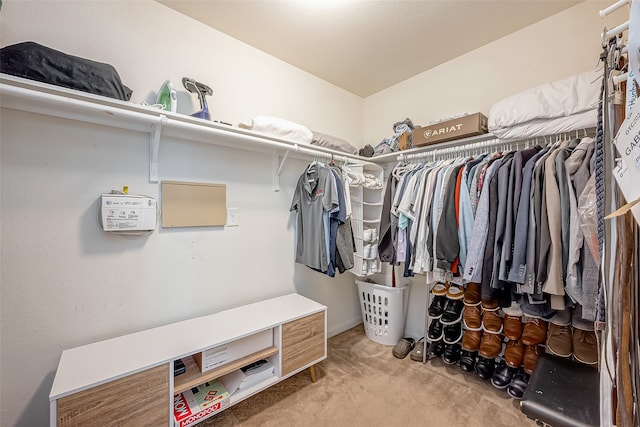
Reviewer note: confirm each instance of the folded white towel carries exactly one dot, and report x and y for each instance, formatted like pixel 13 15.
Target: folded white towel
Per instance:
pixel 281 128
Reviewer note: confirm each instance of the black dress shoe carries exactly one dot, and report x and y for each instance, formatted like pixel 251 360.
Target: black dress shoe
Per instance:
pixel 451 354
pixel 485 367
pixel 435 330
pixel 437 306
pixel 452 311
pixel 435 349
pixel 468 360
pixel 503 375
pixel 518 384
pixel 452 333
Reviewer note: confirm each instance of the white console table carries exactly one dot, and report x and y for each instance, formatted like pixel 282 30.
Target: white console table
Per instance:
pixel 129 380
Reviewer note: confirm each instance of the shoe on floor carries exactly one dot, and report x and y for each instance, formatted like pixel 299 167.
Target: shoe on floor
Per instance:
pixel 417 352
pixel 437 306
pixel 468 360
pixel 435 330
pixel 560 340
pixel 534 331
pixel 514 353
pixel 518 384
pixel 404 346
pixel 485 367
pixel 472 317
pixel 452 312
pixel 503 375
pixel 531 356
pixel 435 349
pixel 585 346
pixel 512 327
pixel 451 354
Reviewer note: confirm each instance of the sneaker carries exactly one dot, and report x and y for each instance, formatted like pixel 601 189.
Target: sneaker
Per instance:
pixel 452 311
pixel 585 346
pixel 503 375
pixel 435 331
pixel 454 292
pixel 440 289
pixel 560 340
pixel 437 306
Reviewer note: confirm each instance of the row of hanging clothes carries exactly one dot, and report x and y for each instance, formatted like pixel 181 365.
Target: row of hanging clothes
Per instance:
pixel 508 219
pixel 322 203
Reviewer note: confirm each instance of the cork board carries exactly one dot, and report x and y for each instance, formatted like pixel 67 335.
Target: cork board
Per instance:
pixel 193 204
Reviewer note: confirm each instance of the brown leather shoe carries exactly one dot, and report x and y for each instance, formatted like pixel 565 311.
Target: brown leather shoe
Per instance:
pixel 514 353
pixel 472 318
pixel 531 355
pixel 490 304
pixel 492 322
pixel 512 327
pixel 471 340
pixel 560 340
pixel 440 288
pixel 534 331
pixel 585 346
pixel 472 293
pixel 490 345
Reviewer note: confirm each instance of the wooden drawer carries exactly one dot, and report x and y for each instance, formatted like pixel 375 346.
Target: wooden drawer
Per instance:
pixel 140 399
pixel 303 341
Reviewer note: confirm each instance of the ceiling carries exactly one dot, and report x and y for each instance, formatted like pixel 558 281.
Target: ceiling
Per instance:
pixel 365 46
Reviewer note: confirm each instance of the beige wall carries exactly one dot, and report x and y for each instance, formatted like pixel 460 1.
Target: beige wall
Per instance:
pixel 559 46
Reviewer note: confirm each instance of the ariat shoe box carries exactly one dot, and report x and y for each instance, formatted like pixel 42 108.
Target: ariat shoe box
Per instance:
pixel 461 127
pixel 198 403
pixel 217 356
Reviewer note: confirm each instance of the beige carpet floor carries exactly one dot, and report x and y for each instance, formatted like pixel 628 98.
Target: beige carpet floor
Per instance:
pixel 362 384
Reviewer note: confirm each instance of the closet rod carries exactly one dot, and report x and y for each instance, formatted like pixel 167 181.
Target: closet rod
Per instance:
pixel 617 5
pixel 488 144
pixel 617 30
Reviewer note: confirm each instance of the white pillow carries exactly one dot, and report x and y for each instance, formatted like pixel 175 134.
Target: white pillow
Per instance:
pixel 561 98
pixel 281 128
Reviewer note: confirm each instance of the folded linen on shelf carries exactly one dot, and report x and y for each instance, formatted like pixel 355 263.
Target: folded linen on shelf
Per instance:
pixel 569 97
pixel 335 143
pixel 542 127
pixel 281 128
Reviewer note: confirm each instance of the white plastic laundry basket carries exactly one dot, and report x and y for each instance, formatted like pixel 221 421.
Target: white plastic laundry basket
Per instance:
pixel 383 311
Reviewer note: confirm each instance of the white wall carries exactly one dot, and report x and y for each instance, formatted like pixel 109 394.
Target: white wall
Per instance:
pixel 64 282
